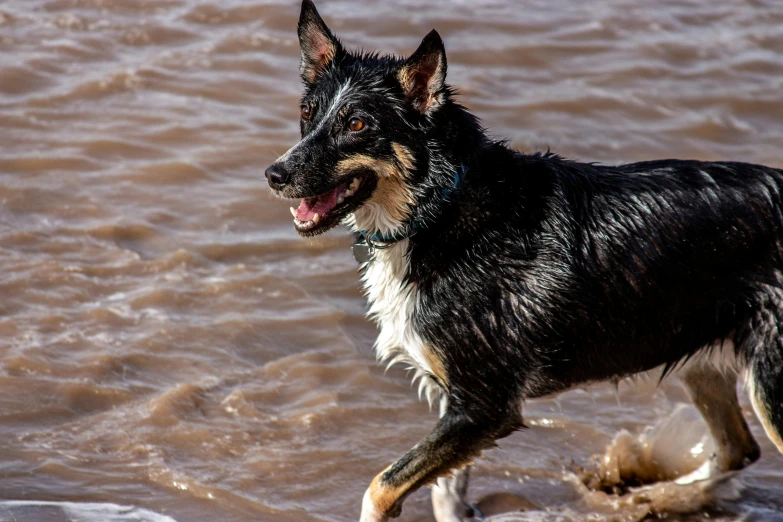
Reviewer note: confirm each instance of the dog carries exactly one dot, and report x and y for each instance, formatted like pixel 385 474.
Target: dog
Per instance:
pixel 502 276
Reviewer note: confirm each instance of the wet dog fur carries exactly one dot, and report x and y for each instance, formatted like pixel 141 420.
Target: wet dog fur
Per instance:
pixel 502 276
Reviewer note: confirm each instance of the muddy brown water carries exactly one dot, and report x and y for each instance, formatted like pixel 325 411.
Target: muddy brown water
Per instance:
pixel 167 341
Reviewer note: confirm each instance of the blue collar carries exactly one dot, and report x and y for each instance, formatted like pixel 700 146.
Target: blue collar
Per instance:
pixel 378 241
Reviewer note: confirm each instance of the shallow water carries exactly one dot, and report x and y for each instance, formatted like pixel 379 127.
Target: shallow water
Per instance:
pixel 167 340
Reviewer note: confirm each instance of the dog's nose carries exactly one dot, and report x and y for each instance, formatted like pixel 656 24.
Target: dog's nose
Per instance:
pixel 277 176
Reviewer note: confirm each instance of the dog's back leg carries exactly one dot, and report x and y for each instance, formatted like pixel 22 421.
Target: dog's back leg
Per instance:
pixel 761 342
pixel 448 495
pixel 766 394
pixel 714 393
pixel 765 376
pixel 448 498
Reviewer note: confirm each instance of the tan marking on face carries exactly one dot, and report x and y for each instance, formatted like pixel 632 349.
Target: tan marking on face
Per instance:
pixel 404 157
pixel 393 192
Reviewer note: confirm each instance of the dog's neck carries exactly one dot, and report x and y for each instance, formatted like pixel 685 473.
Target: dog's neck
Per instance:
pixel 453 149
pixel 447 156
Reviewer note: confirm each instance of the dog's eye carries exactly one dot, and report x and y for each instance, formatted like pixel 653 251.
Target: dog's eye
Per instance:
pixel 355 124
pixel 306 112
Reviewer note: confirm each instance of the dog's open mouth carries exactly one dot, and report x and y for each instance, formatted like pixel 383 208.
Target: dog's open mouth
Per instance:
pixel 315 215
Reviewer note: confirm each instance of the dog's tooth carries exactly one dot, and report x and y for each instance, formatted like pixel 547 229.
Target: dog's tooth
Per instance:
pixel 316 218
pixel 348 192
pixel 357 182
pixel 293 211
pixel 340 199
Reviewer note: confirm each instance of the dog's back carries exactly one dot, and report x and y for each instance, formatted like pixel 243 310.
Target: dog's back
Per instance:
pixel 592 272
pixel 661 259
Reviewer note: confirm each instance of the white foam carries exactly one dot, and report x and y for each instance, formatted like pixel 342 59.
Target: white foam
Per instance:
pixel 83 512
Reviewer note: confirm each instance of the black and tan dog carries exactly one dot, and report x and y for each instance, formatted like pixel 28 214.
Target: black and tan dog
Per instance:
pixel 502 276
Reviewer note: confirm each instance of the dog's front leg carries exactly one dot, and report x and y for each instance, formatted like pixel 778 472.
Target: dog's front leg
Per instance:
pixel 456 440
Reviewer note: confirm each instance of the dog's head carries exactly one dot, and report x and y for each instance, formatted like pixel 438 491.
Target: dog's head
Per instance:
pixel 364 119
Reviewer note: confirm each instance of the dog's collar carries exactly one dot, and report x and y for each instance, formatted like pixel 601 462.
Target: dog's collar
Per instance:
pixel 364 249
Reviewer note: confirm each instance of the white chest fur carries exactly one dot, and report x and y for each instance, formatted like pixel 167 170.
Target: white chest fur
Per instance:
pixel 392 302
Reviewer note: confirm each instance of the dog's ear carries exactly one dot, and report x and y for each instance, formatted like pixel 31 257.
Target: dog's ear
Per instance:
pixel 318 45
pixel 423 75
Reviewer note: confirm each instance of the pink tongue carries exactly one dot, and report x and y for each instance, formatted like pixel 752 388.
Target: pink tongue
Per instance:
pixel 320 205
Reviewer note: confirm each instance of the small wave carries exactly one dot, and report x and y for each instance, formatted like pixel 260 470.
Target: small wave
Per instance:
pixel 83 512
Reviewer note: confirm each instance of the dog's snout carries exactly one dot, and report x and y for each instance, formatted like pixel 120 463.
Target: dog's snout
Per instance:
pixel 278 176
